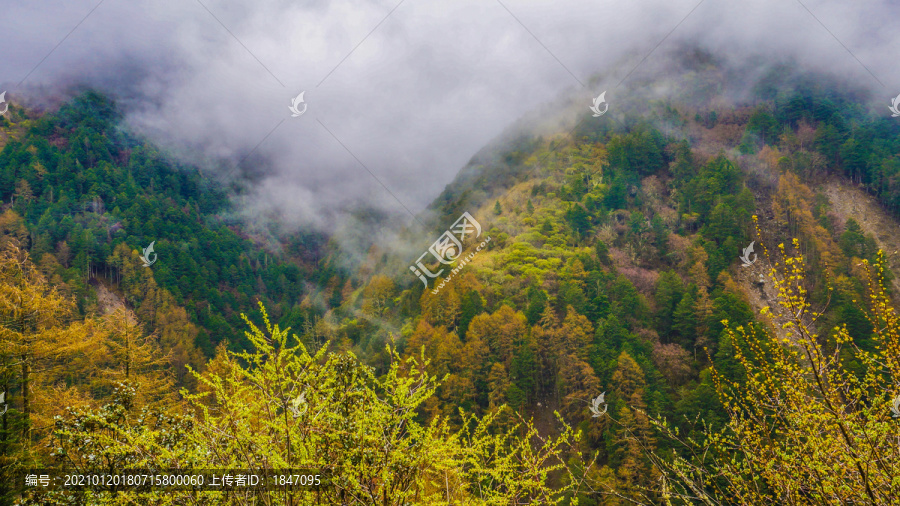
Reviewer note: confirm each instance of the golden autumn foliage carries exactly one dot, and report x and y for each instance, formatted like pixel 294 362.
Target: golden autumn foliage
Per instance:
pixel 792 206
pixel 156 306
pixel 377 294
pixel 278 407
pixel 52 361
pixel 34 320
pixel 806 426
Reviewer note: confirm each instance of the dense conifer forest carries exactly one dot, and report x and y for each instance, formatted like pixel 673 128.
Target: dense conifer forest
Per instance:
pixel 613 267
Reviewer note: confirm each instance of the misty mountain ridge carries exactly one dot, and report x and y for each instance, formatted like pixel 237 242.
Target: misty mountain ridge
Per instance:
pixel 619 272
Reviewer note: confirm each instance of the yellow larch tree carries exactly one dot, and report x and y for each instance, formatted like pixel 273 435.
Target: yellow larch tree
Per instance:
pixel 807 426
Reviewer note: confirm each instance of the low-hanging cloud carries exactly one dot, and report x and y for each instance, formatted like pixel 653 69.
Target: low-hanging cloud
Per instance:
pixel 399 96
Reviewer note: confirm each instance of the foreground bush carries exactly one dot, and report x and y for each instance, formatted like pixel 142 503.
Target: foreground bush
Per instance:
pixel 279 407
pixel 812 421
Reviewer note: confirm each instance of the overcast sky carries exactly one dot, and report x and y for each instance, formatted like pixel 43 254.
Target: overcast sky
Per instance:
pixel 405 93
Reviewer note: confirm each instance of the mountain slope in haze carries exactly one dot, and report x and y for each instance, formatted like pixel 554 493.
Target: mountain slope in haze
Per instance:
pixel 612 268
pixel 85 196
pixel 614 259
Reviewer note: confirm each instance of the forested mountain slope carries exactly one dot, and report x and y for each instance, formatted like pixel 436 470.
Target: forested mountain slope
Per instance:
pixel 614 261
pixel 84 196
pixel 612 267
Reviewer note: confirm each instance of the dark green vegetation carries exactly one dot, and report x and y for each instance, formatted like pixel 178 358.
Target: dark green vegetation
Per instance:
pixel 613 264
pixel 85 187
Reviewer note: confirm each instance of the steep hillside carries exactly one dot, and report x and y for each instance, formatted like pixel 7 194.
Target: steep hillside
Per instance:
pixel 850 202
pixel 586 318
pixel 613 259
pixel 86 198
